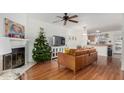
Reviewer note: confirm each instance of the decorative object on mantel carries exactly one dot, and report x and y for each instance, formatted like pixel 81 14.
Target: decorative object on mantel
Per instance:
pixel 13 29
pixel 5 46
pixel 42 50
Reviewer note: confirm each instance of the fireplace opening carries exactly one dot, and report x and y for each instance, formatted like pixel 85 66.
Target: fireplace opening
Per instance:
pixel 14 59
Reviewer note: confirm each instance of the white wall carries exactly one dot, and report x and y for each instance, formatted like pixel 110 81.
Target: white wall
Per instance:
pixel 81 37
pixel 34 29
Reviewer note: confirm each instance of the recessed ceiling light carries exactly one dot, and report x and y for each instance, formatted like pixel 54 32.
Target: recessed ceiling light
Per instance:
pixel 97 31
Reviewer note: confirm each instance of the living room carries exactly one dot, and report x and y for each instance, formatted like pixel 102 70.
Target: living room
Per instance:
pixel 88 30
pixel 90 58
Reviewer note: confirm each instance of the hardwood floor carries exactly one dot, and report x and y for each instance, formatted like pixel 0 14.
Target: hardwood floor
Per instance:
pixel 105 69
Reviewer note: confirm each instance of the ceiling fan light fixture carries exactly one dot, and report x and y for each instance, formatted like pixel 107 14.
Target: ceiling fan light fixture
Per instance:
pixel 97 31
pixel 66 18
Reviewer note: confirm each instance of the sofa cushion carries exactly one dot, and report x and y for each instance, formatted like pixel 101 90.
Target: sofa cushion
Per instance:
pixel 66 50
pixel 81 51
pixel 84 52
pixel 78 52
pixel 92 50
pixel 72 51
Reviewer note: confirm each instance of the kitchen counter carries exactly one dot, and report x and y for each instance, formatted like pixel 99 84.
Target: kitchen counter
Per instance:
pixel 102 49
pixel 100 44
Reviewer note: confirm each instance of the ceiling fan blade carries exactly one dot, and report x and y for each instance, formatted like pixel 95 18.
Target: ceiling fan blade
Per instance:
pixel 60 17
pixel 73 21
pixel 73 16
pixel 65 22
pixel 57 21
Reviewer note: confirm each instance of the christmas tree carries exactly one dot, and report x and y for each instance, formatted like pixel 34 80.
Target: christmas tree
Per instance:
pixel 41 50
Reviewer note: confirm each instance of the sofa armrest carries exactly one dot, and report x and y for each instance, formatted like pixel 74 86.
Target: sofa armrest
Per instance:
pixel 66 60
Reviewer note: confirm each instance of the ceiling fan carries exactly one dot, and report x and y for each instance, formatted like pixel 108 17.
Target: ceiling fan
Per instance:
pixel 66 18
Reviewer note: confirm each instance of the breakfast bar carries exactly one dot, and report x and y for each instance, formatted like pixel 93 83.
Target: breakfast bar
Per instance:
pixel 102 49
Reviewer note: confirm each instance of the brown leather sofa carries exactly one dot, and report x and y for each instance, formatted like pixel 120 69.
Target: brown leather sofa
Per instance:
pixel 77 58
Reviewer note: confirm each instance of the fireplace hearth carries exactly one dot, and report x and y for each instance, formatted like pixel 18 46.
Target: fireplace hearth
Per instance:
pixel 14 59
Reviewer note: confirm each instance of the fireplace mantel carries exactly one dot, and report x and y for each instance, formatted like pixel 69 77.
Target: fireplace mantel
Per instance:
pixel 17 42
pixel 18 39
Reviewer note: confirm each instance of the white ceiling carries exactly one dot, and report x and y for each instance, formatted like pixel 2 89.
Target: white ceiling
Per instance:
pixel 93 21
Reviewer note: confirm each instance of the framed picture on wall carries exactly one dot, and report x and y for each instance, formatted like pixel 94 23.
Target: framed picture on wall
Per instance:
pixel 75 38
pixel 72 37
pixel 69 38
pixel 13 29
